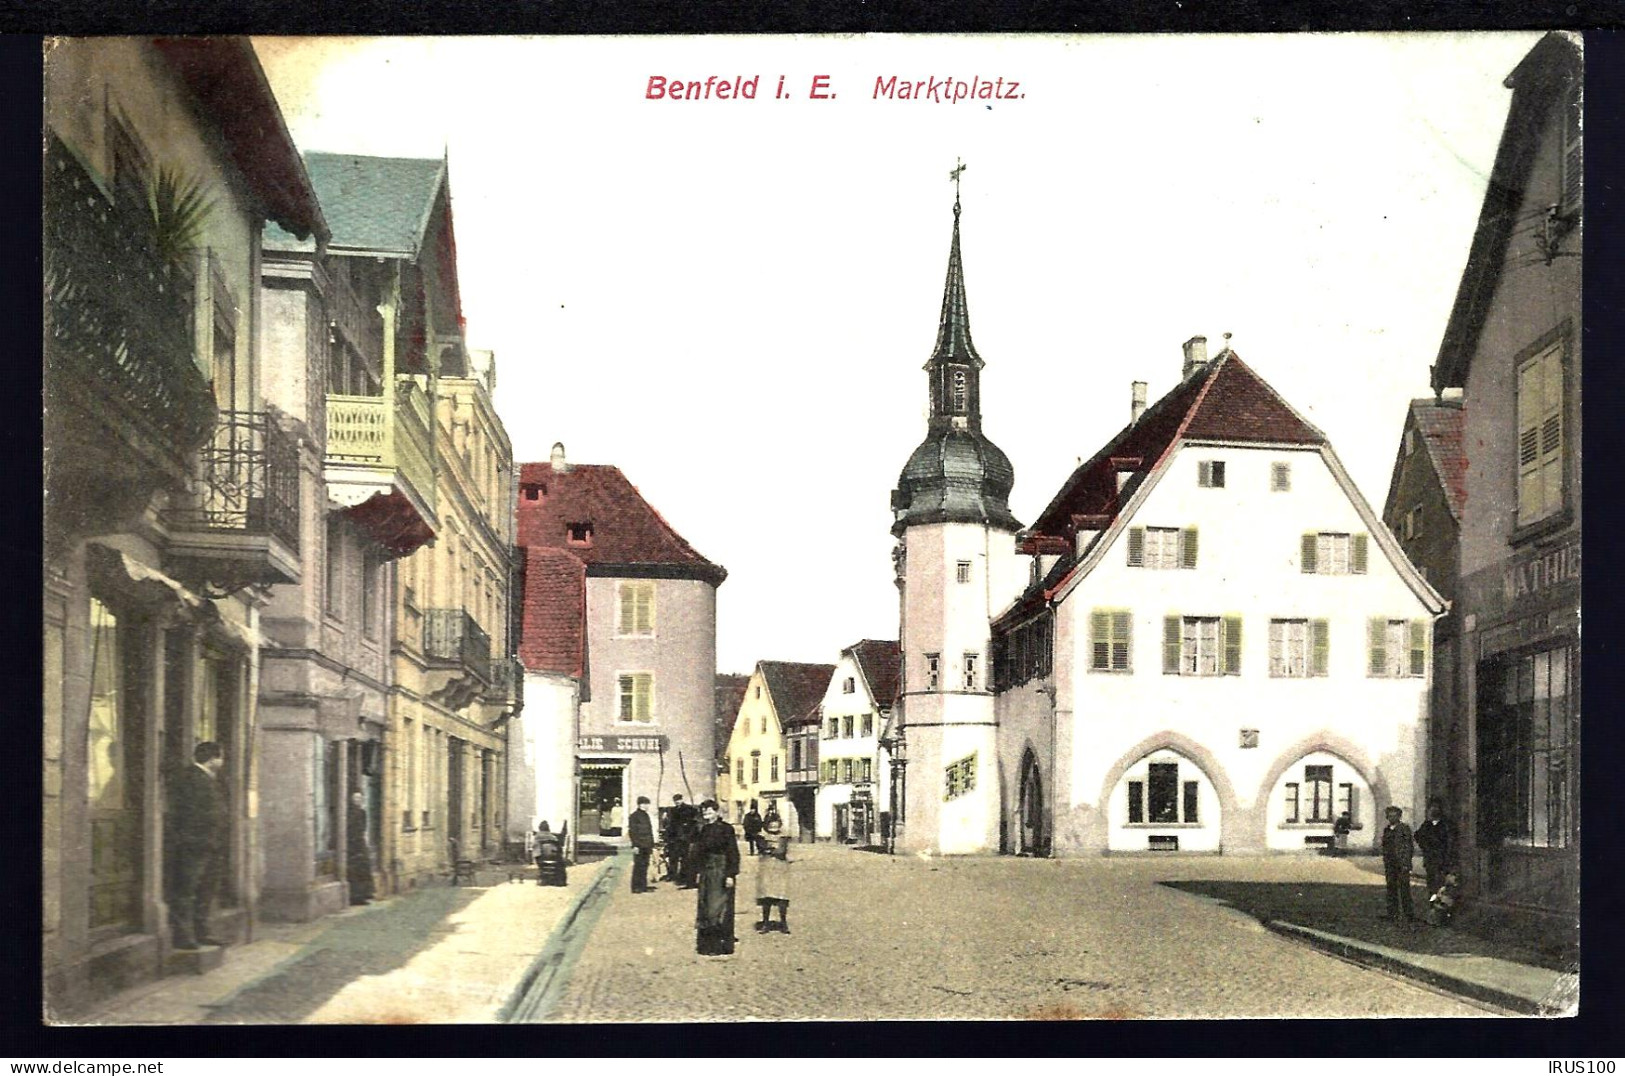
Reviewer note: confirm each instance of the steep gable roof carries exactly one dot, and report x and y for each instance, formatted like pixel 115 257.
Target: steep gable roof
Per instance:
pixel 1226 400
pixel 1537 85
pixel 796 686
pixel 1439 426
pixel 625 529
pixel 553 620
pixel 379 204
pixel 881 663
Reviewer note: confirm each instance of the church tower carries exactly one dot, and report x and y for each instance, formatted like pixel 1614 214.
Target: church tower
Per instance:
pixel 956 567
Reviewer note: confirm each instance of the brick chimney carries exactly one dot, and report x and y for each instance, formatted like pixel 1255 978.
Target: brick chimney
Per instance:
pixel 1195 356
pixel 1136 405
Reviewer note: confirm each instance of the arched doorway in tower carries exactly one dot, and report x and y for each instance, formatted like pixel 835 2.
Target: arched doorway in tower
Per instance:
pixel 1032 836
pixel 1163 803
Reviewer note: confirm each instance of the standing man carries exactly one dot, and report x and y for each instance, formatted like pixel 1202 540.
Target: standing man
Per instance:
pixel 357 856
pixel 753 829
pixel 642 833
pixel 1437 842
pixel 1398 848
pixel 196 832
pixel 685 826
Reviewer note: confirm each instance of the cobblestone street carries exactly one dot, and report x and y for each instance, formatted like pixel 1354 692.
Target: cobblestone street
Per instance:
pixel 879 937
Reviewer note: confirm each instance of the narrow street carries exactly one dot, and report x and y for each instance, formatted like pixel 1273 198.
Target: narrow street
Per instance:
pixel 878 937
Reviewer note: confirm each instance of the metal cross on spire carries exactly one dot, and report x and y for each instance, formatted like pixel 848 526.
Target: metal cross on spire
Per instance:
pixel 959 167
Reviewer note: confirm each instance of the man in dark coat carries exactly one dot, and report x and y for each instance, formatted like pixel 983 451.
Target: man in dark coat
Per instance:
pixel 685 826
pixel 196 831
pixel 1437 842
pixel 357 856
pixel 1398 848
pixel 753 829
pixel 642 833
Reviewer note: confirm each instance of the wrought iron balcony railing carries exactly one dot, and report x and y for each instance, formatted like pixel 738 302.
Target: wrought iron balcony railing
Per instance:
pixel 118 315
pixel 247 482
pixel 451 635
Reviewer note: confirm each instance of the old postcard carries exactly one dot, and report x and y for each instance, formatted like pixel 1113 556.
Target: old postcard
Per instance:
pixel 648 529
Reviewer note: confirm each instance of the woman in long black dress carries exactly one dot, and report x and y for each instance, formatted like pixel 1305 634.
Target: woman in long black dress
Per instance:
pixel 716 851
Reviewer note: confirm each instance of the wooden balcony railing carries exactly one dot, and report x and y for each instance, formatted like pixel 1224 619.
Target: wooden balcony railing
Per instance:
pixel 384 431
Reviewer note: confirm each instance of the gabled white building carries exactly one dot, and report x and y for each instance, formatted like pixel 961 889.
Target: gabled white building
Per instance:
pixel 1222 647
pixel 854 771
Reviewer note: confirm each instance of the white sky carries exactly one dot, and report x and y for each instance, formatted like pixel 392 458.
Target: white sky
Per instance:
pixel 732 300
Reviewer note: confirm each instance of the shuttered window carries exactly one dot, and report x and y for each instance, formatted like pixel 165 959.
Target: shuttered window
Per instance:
pixel 1201 645
pixel 1280 477
pixel 637 609
pixel 1210 474
pixel 1109 641
pixel 1540 435
pixel 1161 547
pixel 1573 166
pixel 636 697
pixel 1396 648
pixel 1332 553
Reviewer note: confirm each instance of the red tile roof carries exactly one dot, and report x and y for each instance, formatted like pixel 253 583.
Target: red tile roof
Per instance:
pixel 796 686
pixel 1441 428
pixel 626 529
pixel 1226 400
pixel 881 662
pixel 553 628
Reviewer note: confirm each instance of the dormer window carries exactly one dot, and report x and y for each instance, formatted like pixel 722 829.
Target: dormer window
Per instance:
pixel 580 533
pixel 960 394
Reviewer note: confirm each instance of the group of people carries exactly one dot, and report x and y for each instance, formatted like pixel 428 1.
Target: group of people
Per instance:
pixel 702 853
pixel 1436 839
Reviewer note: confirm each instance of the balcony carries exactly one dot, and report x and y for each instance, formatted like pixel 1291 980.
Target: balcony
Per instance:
pixel 125 402
pixel 239 525
pixel 380 463
pixel 506 683
pixel 452 637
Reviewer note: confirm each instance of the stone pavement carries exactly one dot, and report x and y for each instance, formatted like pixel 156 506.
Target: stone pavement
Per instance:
pixel 1340 912
pixel 882 937
pixel 441 954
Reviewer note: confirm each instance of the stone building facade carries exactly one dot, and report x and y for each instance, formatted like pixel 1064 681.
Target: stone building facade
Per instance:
pixel 173 493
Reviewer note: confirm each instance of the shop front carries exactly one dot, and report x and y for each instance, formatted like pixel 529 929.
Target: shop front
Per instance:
pixel 611 773
pixel 1522 813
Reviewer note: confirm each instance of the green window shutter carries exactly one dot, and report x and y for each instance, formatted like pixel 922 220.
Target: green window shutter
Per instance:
pixel 1120 656
pixel 1136 547
pixel 1170 644
pixel 1187 547
pixel 1099 641
pixel 1376 632
pixel 1419 647
pixel 1232 645
pixel 1306 554
pixel 1358 556
pixel 1321 637
pixel 625 623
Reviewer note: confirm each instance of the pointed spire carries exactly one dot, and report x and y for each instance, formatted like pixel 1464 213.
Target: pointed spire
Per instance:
pixel 953 331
